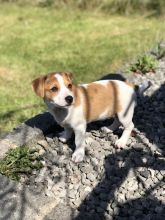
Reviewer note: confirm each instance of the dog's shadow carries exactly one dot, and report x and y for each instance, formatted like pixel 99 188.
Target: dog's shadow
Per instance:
pixel 95 205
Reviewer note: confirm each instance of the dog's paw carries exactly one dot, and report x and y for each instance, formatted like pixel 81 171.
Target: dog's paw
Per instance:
pixel 120 143
pixel 78 155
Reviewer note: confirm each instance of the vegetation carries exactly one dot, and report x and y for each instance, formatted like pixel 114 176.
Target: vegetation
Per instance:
pixel 152 7
pixel 144 64
pixel 89 43
pixel 21 160
pixel 109 6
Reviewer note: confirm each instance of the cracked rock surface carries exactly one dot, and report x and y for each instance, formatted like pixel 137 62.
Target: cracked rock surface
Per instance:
pixel 110 183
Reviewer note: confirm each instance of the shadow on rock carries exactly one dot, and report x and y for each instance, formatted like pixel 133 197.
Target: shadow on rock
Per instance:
pixel 111 198
pixel 149 118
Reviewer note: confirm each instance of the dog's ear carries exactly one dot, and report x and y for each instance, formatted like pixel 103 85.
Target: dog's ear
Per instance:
pixel 70 76
pixel 38 86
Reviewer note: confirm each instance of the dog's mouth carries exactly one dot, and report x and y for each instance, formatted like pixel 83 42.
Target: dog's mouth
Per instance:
pixel 60 106
pixel 67 105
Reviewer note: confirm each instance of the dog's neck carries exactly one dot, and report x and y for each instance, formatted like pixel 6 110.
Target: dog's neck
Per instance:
pixel 60 114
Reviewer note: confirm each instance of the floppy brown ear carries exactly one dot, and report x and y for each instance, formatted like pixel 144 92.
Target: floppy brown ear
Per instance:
pixel 70 75
pixel 38 86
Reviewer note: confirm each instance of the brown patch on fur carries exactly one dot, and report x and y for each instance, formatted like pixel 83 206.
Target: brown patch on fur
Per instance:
pixel 38 86
pixel 51 82
pixel 42 85
pixel 99 98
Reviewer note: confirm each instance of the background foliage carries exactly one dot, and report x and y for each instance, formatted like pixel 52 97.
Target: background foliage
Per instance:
pixel 111 6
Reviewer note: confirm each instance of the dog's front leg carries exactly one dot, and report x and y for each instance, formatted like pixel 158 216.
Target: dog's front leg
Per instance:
pixel 79 152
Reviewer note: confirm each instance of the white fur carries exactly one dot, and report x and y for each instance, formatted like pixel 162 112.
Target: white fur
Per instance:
pixel 59 99
pixel 72 118
pixel 127 100
pixel 74 121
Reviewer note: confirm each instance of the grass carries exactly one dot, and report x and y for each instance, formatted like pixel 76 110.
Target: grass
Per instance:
pixel 153 7
pixel 35 41
pixel 21 160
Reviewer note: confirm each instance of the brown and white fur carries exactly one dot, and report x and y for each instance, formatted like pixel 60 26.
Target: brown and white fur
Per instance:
pixel 73 106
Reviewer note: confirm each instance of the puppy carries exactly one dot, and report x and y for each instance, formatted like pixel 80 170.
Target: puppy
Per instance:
pixel 73 106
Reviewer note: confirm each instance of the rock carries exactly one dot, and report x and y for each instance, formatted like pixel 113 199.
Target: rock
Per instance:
pixel 159 209
pixel 43 143
pixel 99 210
pixel 91 177
pixel 103 205
pixel 121 198
pixel 145 173
pixel 72 194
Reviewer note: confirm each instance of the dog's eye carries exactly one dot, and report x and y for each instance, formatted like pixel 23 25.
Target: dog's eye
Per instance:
pixel 54 89
pixel 69 86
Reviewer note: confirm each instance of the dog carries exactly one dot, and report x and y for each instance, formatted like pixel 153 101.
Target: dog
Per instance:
pixel 74 106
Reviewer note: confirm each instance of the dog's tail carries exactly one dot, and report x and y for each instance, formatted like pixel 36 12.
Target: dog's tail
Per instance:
pixel 140 89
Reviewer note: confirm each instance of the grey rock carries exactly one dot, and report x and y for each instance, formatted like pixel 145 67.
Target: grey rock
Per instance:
pixel 159 209
pixel 99 209
pixel 28 132
pixel 72 194
pixel 91 177
pixel 103 205
pixel 103 196
pixel 145 173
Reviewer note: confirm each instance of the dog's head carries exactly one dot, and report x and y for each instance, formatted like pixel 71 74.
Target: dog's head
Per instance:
pixel 55 88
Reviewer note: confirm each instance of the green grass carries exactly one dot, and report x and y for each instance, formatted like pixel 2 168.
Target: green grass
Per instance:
pixel 144 64
pixel 21 160
pixel 35 41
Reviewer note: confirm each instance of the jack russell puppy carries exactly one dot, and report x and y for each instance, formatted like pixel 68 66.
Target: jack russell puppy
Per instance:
pixel 73 106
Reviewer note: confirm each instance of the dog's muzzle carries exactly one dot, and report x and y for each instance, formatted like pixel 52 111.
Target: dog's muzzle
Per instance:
pixel 69 99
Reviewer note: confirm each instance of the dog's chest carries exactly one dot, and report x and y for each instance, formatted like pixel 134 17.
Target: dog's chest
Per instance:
pixel 70 117
pixel 60 115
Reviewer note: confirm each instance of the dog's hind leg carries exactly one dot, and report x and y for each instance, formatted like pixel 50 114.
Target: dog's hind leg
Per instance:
pixel 126 121
pixel 114 126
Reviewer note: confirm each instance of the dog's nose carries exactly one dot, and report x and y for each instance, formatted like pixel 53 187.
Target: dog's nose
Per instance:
pixel 69 99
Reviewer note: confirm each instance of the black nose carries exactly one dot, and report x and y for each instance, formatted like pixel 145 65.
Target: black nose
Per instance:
pixel 69 99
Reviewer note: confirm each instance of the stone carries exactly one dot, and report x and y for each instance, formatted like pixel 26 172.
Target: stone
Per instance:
pixel 145 173
pixel 159 209
pixel 103 196
pixel 99 209
pixel 91 177
pixel 43 143
pixel 72 194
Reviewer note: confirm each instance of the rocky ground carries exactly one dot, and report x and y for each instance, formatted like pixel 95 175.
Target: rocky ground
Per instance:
pixel 111 183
